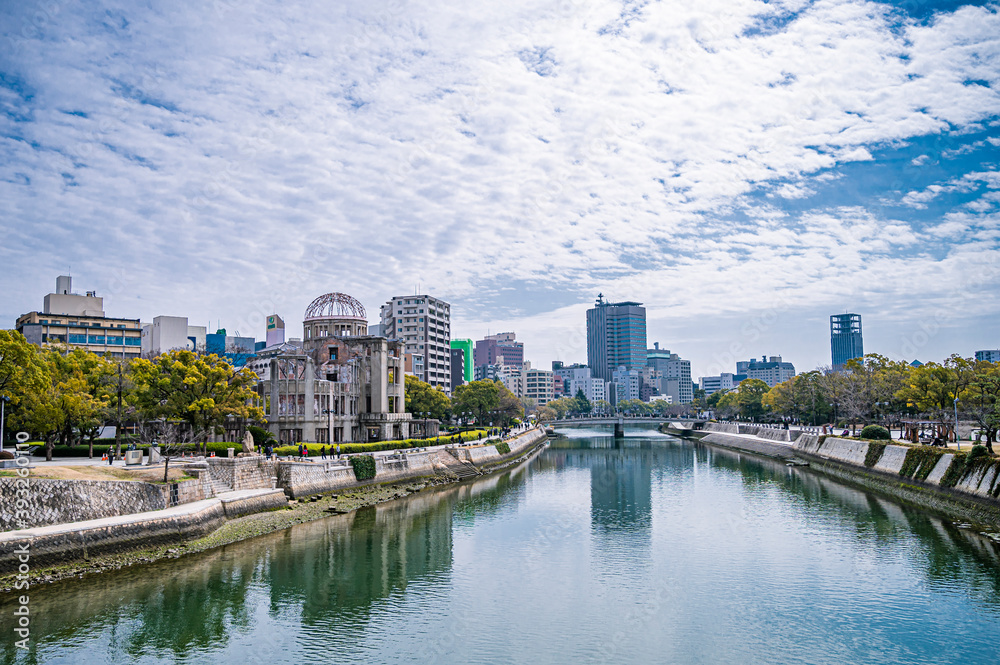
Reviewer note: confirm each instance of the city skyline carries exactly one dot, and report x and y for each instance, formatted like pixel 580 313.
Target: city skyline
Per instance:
pixel 744 169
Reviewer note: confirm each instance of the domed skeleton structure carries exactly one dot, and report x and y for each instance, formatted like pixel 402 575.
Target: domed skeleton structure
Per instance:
pixel 335 306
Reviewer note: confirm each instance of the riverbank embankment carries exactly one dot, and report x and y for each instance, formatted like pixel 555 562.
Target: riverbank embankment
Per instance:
pixel 933 478
pixel 70 549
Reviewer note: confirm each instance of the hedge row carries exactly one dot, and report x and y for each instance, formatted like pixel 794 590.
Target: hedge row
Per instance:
pixel 503 448
pixel 403 444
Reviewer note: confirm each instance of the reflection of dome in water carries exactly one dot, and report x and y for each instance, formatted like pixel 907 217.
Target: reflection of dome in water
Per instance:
pixel 335 306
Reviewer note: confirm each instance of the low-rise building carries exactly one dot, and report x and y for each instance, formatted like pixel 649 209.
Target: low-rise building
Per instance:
pixel 167 333
pixel 713 384
pixel 771 371
pixel 79 321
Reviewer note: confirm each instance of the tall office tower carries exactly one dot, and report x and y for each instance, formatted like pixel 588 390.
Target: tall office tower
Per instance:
pixel 845 338
pixel 424 324
pixel 616 337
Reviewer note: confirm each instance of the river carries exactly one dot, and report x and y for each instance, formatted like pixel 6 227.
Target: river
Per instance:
pixel 646 550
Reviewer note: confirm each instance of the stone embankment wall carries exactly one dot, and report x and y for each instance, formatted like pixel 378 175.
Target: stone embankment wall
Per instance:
pixel 60 501
pixel 934 478
pixel 70 542
pixel 243 473
pixel 52 502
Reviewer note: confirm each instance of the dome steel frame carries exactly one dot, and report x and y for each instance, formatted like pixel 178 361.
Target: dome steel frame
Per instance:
pixel 335 306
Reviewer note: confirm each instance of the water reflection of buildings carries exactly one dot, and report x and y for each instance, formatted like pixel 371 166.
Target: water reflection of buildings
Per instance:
pixel 621 492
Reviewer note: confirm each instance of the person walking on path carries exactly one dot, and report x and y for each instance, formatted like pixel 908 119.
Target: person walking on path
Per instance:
pixel 322 452
pixel 338 451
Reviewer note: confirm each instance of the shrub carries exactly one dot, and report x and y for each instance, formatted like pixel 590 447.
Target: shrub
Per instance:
pixel 503 448
pixel 876 432
pixel 364 467
pixel 977 451
pixel 874 454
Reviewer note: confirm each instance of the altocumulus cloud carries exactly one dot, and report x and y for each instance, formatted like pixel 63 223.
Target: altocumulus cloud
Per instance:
pixel 727 162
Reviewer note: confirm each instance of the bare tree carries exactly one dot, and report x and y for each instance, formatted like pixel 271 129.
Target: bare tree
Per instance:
pixel 173 437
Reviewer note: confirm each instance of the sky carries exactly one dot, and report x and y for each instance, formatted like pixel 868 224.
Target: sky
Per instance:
pixel 745 169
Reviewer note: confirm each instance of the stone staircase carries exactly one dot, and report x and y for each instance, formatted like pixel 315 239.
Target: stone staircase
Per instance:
pixel 464 470
pixel 219 486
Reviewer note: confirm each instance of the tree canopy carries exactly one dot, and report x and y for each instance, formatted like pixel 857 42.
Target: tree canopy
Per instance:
pixel 424 398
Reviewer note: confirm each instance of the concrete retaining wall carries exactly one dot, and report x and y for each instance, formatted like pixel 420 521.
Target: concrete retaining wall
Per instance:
pixel 723 428
pixel 892 459
pixel 972 497
pixel 61 501
pixel 752 445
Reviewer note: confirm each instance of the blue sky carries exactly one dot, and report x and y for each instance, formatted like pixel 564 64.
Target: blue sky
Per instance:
pixel 744 168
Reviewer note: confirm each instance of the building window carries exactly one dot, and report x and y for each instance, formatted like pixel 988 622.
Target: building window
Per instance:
pixel 77 339
pixel 117 341
pixel 95 339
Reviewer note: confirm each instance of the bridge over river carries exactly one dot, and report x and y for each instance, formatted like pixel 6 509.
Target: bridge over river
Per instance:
pixel 619 423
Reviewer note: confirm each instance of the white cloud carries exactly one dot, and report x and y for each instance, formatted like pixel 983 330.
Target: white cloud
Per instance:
pixel 233 161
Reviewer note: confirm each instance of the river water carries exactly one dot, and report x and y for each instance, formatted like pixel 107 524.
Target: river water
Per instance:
pixel 649 550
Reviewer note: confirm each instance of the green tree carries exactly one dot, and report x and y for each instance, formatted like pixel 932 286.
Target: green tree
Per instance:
pixel 424 398
pixel 545 413
pixel 509 406
pixel 479 398
pixel 602 406
pixel 23 376
pixel 982 403
pixel 201 391
pixel 583 405
pixel 750 398
pixel 932 388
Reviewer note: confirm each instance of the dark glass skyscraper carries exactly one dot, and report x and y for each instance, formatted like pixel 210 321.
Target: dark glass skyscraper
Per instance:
pixel 845 338
pixel 616 337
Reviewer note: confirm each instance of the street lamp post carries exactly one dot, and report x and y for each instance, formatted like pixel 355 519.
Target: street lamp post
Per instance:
pixel 959 443
pixel 3 413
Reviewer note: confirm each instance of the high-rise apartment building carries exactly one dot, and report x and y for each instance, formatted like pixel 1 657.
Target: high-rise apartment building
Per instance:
pixel 990 356
pixel 675 374
pixel 492 348
pixel 616 337
pixel 423 324
pixel 845 339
